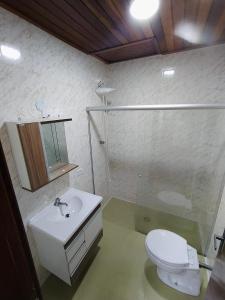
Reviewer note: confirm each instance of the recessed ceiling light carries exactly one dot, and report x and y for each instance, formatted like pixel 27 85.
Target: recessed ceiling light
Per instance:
pixel 144 9
pixel 10 52
pixel 168 72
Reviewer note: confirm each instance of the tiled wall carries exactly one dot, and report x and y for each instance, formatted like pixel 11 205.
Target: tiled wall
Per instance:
pixel 178 154
pixel 65 79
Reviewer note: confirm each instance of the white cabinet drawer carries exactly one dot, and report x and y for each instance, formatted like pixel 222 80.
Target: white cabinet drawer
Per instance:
pixel 75 245
pixel 92 228
pixel 76 260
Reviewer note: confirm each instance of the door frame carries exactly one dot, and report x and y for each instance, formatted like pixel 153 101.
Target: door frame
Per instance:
pixel 10 206
pixel 216 286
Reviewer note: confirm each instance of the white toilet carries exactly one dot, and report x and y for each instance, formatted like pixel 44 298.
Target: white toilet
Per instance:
pixel 177 262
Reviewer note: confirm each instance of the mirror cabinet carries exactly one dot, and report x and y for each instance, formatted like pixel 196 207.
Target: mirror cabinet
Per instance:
pixel 40 151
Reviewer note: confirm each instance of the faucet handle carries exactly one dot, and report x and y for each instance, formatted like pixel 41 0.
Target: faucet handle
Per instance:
pixel 57 201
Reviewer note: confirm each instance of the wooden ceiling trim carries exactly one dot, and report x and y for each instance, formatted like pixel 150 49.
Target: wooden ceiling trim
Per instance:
pixel 111 12
pixel 158 33
pixel 167 23
pixel 191 10
pixel 220 26
pixel 36 11
pixel 217 9
pixel 156 45
pixel 222 38
pixel 118 18
pixel 120 8
pixel 47 26
pixel 147 30
pixel 203 12
pixel 137 43
pixel 85 13
pixel 53 9
pixel 76 18
pixel 178 17
pixel 129 51
pixel 107 22
pixel 190 15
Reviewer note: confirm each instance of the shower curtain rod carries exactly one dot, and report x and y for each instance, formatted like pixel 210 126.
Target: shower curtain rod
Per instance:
pixel 156 107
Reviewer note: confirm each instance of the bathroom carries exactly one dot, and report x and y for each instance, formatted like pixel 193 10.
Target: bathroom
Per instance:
pixel 137 96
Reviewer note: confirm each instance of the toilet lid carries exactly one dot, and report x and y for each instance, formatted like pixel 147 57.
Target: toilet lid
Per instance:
pixel 167 246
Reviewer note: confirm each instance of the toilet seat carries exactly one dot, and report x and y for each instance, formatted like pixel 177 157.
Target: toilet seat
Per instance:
pixel 168 247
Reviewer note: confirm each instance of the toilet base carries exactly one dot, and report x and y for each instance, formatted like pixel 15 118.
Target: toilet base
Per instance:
pixel 186 281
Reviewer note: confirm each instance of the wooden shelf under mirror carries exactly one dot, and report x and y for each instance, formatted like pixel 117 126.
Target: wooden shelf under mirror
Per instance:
pixel 61 171
pixel 40 151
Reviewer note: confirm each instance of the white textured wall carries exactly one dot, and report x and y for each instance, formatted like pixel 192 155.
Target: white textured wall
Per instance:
pixel 179 151
pixel 63 77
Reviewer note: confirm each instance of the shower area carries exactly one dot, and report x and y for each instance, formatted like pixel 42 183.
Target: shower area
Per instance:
pixel 168 161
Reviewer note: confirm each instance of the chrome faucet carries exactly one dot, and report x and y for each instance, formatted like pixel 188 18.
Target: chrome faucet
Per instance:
pixel 58 202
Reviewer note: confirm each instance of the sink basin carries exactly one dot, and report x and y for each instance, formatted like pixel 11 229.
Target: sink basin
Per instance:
pixel 75 204
pixel 62 222
pixel 59 213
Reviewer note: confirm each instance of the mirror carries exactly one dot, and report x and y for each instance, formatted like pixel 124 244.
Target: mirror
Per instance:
pixel 54 139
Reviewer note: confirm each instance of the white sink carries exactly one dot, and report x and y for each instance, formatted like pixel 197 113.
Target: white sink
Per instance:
pixel 61 223
pixel 59 213
pixel 75 205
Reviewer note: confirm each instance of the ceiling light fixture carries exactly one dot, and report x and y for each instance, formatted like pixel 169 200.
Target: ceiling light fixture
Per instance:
pixel 10 52
pixel 144 9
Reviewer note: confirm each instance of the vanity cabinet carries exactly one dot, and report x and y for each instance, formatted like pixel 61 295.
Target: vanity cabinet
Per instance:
pixel 40 151
pixel 66 260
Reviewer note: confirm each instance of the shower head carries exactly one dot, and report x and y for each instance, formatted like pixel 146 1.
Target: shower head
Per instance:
pixel 103 91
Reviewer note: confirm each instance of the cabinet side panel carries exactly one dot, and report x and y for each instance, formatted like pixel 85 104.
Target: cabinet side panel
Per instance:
pixel 34 155
pixel 18 155
pixel 52 255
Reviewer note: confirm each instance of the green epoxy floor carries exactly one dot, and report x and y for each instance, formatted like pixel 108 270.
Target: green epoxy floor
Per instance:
pixel 143 219
pixel 121 270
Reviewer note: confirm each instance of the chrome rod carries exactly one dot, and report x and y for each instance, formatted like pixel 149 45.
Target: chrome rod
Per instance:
pixel 91 153
pixel 156 107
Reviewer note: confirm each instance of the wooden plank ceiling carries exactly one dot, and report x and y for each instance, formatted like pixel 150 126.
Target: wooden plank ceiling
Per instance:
pixel 105 29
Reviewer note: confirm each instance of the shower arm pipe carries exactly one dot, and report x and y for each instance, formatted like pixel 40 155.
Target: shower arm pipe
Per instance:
pixel 156 107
